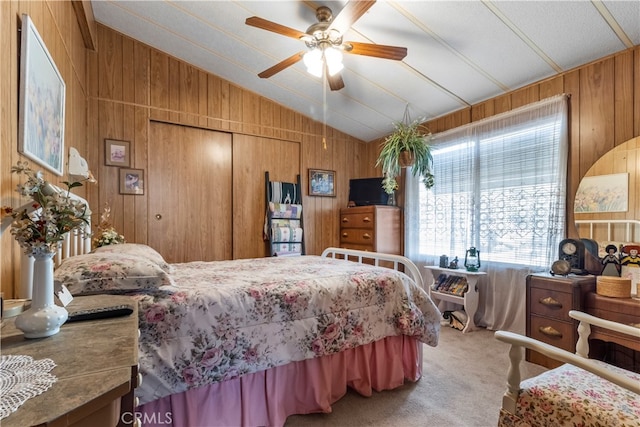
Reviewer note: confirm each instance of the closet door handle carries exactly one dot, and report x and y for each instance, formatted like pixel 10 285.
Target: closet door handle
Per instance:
pixel 550 302
pixel 550 331
pixel 366 219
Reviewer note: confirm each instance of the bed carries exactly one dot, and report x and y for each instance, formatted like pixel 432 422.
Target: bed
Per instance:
pixel 250 342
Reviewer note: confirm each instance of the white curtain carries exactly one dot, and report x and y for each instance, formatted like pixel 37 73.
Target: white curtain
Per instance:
pixel 500 186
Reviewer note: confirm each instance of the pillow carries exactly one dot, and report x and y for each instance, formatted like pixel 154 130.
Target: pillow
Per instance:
pixel 109 273
pixel 139 250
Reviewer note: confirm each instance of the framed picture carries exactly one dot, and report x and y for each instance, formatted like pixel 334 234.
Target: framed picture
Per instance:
pixel 42 97
pixel 131 181
pixel 322 183
pixel 116 153
pixel 603 193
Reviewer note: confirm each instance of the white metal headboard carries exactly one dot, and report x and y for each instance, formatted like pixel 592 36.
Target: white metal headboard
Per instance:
pixel 631 228
pixel 77 242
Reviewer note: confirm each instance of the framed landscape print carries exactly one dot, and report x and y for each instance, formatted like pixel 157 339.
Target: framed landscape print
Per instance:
pixel 42 98
pixel 131 181
pixel 116 153
pixel 322 183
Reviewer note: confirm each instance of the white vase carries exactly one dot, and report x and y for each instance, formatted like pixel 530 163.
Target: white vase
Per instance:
pixel 44 318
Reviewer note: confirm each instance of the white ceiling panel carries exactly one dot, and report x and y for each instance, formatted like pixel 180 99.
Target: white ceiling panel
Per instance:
pixel 459 52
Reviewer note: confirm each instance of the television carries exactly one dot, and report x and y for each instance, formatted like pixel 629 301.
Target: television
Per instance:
pixel 367 191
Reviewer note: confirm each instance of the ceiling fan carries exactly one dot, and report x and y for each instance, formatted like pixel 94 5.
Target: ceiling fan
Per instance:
pixel 324 40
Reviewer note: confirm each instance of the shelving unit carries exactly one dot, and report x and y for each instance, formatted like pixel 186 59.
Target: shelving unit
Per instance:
pixel 468 299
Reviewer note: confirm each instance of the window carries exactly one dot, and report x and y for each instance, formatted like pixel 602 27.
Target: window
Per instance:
pixel 500 186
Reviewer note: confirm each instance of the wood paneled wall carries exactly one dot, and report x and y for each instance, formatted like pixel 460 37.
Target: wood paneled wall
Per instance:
pixel 131 84
pixel 604 112
pixel 115 91
pixel 57 24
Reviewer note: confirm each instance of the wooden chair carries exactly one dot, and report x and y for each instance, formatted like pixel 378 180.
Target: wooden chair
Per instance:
pixel 583 391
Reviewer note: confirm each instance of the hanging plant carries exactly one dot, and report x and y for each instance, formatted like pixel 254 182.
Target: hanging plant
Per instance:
pixel 408 145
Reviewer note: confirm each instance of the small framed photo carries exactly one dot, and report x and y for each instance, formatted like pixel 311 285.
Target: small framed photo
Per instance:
pixel 131 181
pixel 116 153
pixel 322 183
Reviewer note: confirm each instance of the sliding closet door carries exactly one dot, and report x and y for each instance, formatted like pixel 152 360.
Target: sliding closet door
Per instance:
pixel 189 184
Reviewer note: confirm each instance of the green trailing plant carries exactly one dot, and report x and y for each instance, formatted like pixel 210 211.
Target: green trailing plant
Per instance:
pixel 410 137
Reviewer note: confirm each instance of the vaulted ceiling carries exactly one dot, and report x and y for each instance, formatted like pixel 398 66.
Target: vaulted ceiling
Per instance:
pixel 459 52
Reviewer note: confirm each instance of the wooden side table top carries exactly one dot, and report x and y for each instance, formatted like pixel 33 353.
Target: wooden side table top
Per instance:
pixel 94 361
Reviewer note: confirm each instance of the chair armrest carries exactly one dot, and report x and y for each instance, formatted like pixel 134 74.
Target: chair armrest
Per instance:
pixel 565 357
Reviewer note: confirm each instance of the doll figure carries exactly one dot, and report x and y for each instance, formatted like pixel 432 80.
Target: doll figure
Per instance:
pixel 610 262
pixel 632 259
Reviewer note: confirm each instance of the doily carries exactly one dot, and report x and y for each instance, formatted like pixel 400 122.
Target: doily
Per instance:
pixel 22 378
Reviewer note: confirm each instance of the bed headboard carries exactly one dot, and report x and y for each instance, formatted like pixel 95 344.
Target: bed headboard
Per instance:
pixel 76 242
pixel 609 231
pixel 409 267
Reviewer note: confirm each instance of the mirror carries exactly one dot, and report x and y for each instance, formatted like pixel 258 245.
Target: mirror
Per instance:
pixel 609 191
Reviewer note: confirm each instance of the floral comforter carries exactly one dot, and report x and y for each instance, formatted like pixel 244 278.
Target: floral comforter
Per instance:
pixel 223 319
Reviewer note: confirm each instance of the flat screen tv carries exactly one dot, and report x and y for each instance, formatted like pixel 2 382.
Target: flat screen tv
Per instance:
pixel 367 191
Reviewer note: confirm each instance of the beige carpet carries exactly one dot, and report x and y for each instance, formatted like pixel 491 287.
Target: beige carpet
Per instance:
pixel 462 385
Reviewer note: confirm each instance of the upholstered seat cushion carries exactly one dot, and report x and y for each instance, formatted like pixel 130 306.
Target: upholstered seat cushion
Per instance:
pixel 571 396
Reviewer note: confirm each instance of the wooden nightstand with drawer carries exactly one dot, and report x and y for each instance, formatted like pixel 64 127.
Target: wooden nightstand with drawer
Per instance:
pixel 372 228
pixel 549 300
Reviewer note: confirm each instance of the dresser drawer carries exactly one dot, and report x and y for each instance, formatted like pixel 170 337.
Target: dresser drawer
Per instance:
pixel 357 220
pixel 550 303
pixel 359 236
pixel 553 332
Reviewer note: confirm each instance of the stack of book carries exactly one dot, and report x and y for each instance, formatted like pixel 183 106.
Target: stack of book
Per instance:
pixel 451 284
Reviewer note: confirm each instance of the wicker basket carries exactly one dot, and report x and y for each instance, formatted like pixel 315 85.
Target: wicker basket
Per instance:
pixel 611 286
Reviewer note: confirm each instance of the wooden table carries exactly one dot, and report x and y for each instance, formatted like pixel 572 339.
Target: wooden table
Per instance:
pixel 96 367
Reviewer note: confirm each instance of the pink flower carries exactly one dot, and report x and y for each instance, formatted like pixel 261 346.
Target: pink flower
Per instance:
pixel 404 323
pixel 191 375
pixel 155 314
pixel 179 297
pixel 317 346
pixel 251 355
pixel 331 332
pixel 101 267
pixel 212 357
pixel 290 297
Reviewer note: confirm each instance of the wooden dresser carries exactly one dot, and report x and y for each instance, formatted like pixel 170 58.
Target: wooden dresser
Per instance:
pixel 615 348
pixel 96 369
pixel 375 228
pixel 549 300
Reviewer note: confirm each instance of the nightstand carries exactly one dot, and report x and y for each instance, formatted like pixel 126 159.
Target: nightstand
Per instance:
pixel 549 300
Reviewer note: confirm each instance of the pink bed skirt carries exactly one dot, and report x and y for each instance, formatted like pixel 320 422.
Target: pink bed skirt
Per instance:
pixel 267 398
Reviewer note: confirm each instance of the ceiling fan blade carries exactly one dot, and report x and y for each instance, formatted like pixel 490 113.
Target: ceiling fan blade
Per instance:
pixel 377 50
pixel 350 14
pixel 258 22
pixel 281 65
pixel 335 81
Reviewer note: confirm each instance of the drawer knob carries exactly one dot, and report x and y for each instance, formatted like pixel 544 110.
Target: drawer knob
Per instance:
pixel 345 219
pixel 345 234
pixel 550 331
pixel 548 301
pixel 366 236
pixel 366 219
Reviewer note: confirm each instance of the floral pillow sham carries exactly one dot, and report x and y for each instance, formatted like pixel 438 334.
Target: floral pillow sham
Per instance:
pixel 139 250
pixel 110 273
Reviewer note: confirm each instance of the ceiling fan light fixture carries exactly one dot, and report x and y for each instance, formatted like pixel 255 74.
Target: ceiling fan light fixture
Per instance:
pixel 313 62
pixel 333 57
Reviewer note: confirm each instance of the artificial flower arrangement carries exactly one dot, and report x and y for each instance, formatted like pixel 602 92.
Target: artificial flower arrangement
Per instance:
pixel 54 213
pixel 107 234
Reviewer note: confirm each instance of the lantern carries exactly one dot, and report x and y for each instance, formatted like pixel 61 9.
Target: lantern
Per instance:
pixel 472 259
